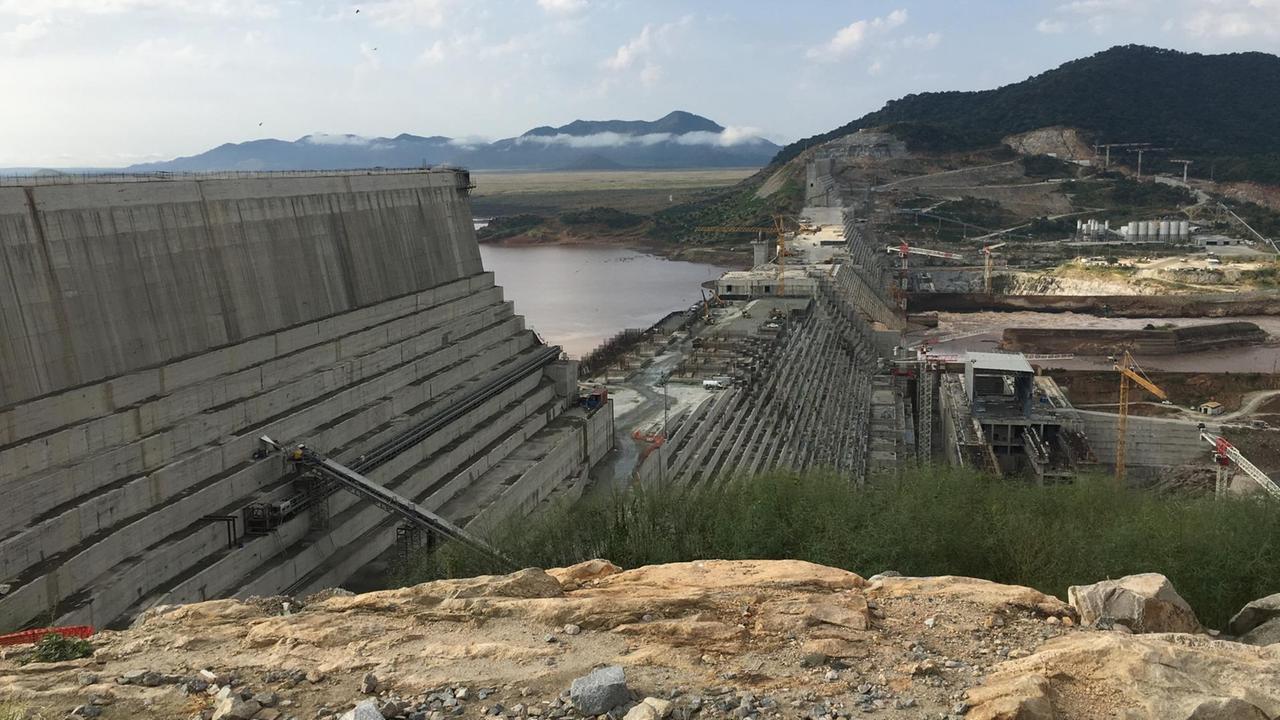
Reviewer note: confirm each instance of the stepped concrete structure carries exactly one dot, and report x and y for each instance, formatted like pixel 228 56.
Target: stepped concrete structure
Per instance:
pixel 152 329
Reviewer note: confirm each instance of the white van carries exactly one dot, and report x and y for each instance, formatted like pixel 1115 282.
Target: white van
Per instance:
pixel 714 385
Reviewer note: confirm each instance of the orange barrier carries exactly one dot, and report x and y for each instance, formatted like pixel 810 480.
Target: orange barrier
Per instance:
pixel 30 637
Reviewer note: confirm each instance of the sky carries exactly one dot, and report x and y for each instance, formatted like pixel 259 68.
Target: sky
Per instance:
pixel 106 83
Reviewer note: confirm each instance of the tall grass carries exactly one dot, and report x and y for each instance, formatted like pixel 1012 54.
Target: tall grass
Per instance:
pixel 939 521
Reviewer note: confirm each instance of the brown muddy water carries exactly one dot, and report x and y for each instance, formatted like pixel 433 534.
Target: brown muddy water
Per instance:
pixel 576 296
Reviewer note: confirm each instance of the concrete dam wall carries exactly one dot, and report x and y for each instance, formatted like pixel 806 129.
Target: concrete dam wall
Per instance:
pixel 1159 341
pixel 152 331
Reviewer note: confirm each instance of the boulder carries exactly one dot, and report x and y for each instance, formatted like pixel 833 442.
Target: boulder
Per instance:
pixel 1268 633
pixel 233 708
pixel 366 710
pixel 601 691
pixel 583 572
pixel 1145 603
pixel 1227 709
pixel 1254 614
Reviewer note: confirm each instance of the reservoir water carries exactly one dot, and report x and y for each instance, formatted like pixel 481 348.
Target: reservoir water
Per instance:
pixel 576 296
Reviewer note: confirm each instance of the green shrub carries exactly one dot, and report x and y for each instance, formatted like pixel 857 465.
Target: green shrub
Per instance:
pixel 940 521
pixel 57 648
pixel 611 218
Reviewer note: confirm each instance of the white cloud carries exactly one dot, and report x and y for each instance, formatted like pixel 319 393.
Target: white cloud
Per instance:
pixel 1230 20
pixel 407 13
pixel 627 54
pixel 922 42
pixel 433 55
pixel 876 68
pixel 258 9
pixel 1051 27
pixel 850 38
pixel 563 7
pixel 164 52
pixel 327 139
pixel 650 75
pixel 21 36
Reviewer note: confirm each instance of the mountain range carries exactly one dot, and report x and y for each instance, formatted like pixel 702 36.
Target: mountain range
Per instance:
pixel 677 140
pixel 1220 107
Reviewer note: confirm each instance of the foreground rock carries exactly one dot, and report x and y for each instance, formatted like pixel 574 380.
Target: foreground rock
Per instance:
pixel 1258 623
pixel 1145 603
pixel 685 641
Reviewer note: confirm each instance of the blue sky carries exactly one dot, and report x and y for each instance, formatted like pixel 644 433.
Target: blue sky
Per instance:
pixel 111 82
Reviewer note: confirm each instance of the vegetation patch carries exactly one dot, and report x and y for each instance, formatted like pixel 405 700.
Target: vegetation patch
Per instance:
pixel 1044 167
pixel 604 216
pixel 501 228
pixel 58 648
pixel 931 521
pixel 738 206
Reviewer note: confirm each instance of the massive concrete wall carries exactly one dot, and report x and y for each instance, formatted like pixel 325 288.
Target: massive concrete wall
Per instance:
pixel 107 278
pixel 331 310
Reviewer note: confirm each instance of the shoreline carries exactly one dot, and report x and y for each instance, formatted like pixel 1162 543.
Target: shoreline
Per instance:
pixel 732 259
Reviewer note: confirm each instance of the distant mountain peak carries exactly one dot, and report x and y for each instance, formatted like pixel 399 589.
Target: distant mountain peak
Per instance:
pixel 677 140
pixel 677 122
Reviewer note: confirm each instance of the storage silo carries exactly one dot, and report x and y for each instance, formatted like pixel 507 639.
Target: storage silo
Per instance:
pixel 1184 229
pixel 1133 230
pixel 1164 230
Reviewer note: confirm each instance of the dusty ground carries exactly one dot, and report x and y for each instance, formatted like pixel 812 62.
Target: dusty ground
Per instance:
pixel 780 638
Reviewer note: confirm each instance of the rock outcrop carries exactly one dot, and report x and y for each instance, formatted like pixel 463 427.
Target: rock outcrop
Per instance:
pixel 713 639
pixel 1258 623
pixel 1145 603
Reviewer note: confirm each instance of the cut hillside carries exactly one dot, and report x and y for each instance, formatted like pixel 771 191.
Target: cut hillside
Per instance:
pixel 1225 106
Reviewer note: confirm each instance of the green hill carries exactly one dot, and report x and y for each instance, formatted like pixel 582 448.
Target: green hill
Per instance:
pixel 1220 107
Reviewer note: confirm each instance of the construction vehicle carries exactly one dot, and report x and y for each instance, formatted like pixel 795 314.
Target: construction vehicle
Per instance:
pixel 779 228
pixel 1224 454
pixel 986 265
pixel 598 396
pixel 1129 371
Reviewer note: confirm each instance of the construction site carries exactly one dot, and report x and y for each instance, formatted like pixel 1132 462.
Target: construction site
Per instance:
pixel 258 384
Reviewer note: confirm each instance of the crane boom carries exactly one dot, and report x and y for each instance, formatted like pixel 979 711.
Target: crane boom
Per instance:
pixel 1224 449
pixel 905 249
pixel 1145 383
pixel 1125 366
pixel 779 227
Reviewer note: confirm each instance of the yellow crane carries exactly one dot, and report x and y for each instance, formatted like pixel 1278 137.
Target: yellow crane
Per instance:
pixel 779 227
pixel 1129 371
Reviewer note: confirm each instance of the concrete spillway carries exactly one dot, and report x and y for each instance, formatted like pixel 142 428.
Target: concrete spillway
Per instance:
pixel 151 331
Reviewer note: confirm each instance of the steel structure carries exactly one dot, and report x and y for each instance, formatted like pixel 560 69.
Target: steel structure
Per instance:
pixel 1224 453
pixel 1129 371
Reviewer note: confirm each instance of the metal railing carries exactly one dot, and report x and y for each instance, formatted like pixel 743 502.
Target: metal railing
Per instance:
pixel 60 178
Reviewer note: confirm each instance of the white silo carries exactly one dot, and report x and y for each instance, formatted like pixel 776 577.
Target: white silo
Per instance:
pixel 1164 230
pixel 1133 230
pixel 1184 229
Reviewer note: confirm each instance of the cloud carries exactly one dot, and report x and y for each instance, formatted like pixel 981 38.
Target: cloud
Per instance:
pixel 327 139
pixel 23 35
pixel 728 138
pixel 1234 20
pixel 407 13
pixel 850 38
pixel 627 54
pixel 1051 27
pixel 433 55
pixel 563 7
pixel 922 42
pixel 650 75
pixel 257 9
pixel 876 68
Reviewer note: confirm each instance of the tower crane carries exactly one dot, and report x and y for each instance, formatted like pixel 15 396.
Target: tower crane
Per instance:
pixel 1224 453
pixel 904 251
pixel 986 265
pixel 1129 371
pixel 779 227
